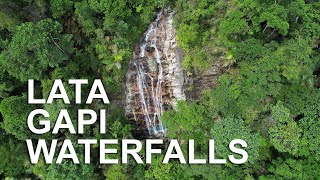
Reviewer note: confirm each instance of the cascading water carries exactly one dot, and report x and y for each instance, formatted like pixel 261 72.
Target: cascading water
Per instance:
pixel 151 103
pixel 154 79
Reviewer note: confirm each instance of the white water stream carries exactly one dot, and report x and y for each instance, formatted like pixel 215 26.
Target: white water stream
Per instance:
pixel 151 101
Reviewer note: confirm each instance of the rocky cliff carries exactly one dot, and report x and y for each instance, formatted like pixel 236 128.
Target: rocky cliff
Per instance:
pixel 155 79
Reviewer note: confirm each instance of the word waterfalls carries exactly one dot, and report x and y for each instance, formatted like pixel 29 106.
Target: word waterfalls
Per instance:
pixel 133 148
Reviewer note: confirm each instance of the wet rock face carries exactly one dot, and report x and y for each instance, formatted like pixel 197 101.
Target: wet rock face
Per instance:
pixel 154 80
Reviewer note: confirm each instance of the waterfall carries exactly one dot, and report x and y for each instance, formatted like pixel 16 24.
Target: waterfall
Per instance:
pixel 152 104
pixel 151 82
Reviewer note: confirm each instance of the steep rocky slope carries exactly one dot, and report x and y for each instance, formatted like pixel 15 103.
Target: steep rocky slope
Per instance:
pixel 155 80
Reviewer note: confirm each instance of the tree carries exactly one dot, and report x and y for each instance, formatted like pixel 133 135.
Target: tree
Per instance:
pixel 60 7
pixel 285 135
pixel 117 171
pixel 231 128
pixel 14 158
pixel 291 168
pixel 233 27
pixel 187 122
pixel 310 125
pixel 157 170
pixel 8 83
pixel 40 169
pixel 276 17
pixel 15 110
pixel 194 24
pixel 68 170
pixel 35 48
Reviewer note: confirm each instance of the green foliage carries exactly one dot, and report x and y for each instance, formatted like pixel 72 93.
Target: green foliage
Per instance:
pixel 68 170
pixel 189 122
pixel 60 7
pixel 233 26
pixel 205 171
pixel 288 169
pixel 293 169
pixel 117 171
pixel 251 50
pixel 15 110
pixel 231 128
pixel 273 46
pixel 35 48
pixel 268 20
pixel 11 14
pixel 299 97
pixel 8 21
pixel 285 134
pixel 157 170
pixel 55 107
pixel 112 28
pixel 85 16
pixel 8 84
pixel 276 17
pixel 40 169
pixel 14 158
pixel 249 92
pixel 170 171
pixel 194 21
pixel 310 125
